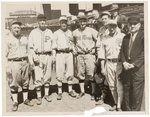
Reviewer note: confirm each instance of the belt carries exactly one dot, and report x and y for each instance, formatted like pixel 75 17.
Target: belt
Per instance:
pixel 86 53
pixel 44 53
pixel 63 51
pixel 18 60
pixel 114 60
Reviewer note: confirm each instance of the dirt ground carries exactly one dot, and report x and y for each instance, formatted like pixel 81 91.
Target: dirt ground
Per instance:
pixel 67 104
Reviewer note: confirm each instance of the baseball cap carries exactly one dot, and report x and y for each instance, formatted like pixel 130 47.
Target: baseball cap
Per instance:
pixel 63 18
pixel 81 15
pixel 89 15
pixel 16 22
pixel 41 16
pixel 134 20
pixel 105 13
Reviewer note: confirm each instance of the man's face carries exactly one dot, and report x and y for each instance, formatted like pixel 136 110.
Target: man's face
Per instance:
pixel 114 13
pixel 16 30
pixel 82 23
pixel 134 27
pixel 112 29
pixel 63 24
pixel 90 20
pixel 95 14
pixel 105 19
pixel 42 23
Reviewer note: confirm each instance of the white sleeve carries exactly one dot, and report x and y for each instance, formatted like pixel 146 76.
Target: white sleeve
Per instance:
pixel 101 51
pixel 94 34
pixel 54 41
pixel 31 43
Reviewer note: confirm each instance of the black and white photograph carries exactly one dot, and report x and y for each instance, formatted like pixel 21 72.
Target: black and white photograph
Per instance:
pixel 75 58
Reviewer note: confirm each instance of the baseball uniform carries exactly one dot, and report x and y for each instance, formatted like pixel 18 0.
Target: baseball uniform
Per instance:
pixel 17 70
pixel 63 44
pixel 109 51
pixel 40 44
pixel 85 40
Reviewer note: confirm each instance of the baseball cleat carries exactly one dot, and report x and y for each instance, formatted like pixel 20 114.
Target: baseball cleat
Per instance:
pixel 100 102
pixel 80 95
pixel 59 96
pixel 92 98
pixel 72 93
pixel 119 109
pixel 39 101
pixel 113 108
pixel 15 106
pixel 48 98
pixel 28 102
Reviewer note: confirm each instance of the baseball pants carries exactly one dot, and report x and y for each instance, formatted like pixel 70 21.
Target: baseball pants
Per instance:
pixel 64 66
pixel 17 73
pixel 43 70
pixel 85 65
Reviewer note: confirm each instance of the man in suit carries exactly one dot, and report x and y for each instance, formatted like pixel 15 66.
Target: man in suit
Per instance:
pixel 132 57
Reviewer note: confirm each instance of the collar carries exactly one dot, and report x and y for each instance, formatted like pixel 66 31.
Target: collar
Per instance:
pixel 82 30
pixel 41 30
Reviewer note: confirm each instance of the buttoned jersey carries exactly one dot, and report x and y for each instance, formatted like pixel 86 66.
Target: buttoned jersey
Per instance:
pixel 41 41
pixel 62 39
pixel 85 40
pixel 110 46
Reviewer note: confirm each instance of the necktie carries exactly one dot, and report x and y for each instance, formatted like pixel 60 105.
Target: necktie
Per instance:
pixel 130 45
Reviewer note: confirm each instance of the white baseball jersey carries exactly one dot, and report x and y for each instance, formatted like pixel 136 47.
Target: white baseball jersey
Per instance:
pixel 16 48
pixel 41 41
pixel 110 46
pixel 64 61
pixel 62 40
pixel 85 39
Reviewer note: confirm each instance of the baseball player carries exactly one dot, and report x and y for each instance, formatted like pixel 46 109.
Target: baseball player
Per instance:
pixel 105 17
pixel 103 86
pixel 63 45
pixel 40 45
pixel 85 39
pixel 90 19
pixel 17 70
pixel 110 65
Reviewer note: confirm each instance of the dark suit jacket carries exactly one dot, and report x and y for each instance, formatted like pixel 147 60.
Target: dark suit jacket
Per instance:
pixel 137 51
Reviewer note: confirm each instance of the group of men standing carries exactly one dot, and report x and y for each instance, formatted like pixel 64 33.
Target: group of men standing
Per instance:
pixel 107 54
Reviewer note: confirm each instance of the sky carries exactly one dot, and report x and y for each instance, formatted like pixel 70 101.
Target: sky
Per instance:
pixel 64 7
